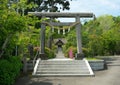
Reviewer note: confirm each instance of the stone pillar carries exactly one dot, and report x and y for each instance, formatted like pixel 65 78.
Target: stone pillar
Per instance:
pixel 50 38
pixel 79 41
pixel 42 40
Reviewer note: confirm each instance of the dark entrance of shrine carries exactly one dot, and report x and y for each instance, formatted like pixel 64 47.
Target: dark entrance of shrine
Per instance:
pixel 59 43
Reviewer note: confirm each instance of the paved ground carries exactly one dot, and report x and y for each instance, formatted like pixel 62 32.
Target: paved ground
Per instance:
pixel 60 54
pixel 111 76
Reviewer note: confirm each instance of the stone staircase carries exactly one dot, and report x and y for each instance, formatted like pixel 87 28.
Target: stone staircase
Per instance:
pixel 62 67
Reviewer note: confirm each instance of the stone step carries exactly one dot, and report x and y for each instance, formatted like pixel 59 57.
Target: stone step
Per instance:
pixel 58 68
pixel 61 69
pixel 62 66
pixel 63 75
pixel 81 64
pixel 63 72
pixel 61 62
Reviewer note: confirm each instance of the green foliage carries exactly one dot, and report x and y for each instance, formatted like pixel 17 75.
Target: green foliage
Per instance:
pixel 11 24
pixel 54 48
pixel 89 58
pixel 50 5
pixel 86 51
pixel 15 22
pixel 71 43
pixel 100 37
pixel 15 30
pixel 9 70
pixel 49 53
pixel 2 4
pixel 71 39
pixel 105 22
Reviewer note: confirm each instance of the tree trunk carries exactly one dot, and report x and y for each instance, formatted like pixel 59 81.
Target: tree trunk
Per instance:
pixel 4 45
pixel 30 49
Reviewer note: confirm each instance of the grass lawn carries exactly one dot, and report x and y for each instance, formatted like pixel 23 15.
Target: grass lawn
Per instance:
pixel 91 58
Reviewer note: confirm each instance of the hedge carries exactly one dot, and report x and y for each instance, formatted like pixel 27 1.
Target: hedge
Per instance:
pixel 9 70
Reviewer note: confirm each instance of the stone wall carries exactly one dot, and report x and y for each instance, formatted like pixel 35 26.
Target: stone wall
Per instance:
pixel 97 64
pixel 30 66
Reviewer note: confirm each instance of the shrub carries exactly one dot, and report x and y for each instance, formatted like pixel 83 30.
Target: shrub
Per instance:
pixel 9 70
pixel 86 52
pixel 49 53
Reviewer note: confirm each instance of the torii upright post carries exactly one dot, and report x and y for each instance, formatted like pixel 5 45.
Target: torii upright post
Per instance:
pixel 79 40
pixel 42 40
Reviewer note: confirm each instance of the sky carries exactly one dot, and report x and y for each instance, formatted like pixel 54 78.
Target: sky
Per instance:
pixel 98 7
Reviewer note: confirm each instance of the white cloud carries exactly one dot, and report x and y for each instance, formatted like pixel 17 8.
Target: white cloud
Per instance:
pixel 110 4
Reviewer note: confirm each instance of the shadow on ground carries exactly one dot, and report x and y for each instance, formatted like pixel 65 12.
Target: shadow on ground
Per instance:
pixel 41 83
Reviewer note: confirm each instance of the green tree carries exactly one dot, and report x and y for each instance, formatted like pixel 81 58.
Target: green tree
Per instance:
pixel 10 24
pixel 100 37
pixel 105 22
pixel 50 5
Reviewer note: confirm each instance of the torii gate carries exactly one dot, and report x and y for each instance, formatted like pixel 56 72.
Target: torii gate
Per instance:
pixel 77 17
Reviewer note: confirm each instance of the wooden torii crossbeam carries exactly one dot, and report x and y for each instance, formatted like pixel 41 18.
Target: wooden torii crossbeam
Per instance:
pixel 77 17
